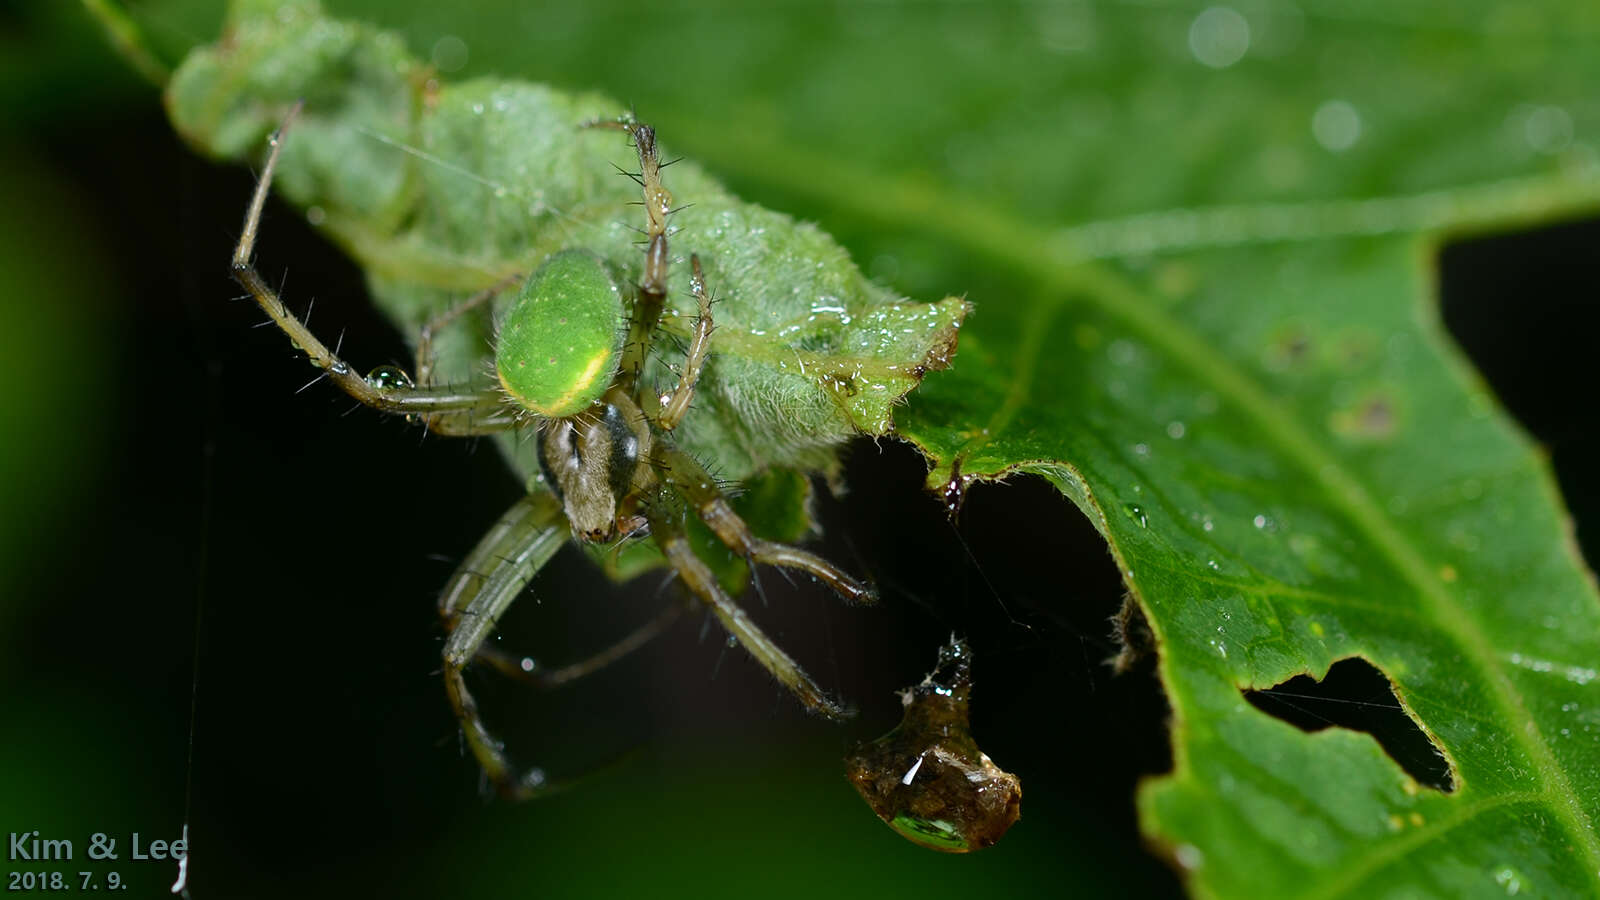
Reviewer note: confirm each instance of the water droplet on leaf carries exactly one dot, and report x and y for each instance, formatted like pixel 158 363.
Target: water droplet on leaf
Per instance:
pixel 927 778
pixel 1219 37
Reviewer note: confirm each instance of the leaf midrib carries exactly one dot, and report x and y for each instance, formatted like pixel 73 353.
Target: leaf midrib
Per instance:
pixel 994 233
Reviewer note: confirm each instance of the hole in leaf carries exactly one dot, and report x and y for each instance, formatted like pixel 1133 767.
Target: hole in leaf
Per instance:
pixel 1356 695
pixel 1026 579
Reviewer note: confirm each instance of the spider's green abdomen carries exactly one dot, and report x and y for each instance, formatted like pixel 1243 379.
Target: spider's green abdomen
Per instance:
pixel 560 340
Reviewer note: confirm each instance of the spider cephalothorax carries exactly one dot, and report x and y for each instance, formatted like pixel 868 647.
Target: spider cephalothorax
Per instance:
pixel 573 353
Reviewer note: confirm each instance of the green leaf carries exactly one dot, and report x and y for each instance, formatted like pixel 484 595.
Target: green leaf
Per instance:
pixel 1200 247
pixel 442 190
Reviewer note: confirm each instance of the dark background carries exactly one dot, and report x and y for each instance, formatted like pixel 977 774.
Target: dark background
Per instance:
pixel 159 471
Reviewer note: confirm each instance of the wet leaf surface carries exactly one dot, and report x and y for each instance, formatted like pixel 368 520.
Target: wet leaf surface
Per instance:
pixel 1200 246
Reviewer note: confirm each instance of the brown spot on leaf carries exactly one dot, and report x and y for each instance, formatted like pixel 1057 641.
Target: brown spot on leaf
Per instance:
pixel 1373 417
pixel 1289 348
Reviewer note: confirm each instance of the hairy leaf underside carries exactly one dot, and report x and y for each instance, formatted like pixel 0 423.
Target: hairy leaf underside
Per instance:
pixel 1202 274
pixel 441 190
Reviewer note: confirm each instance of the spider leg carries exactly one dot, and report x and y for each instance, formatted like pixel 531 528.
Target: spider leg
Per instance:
pixel 529 516
pixel 520 668
pixel 677 405
pixel 700 489
pixel 475 571
pixel 448 317
pixel 674 544
pixel 448 424
pixel 468 411
pixel 653 279
pixel 486 583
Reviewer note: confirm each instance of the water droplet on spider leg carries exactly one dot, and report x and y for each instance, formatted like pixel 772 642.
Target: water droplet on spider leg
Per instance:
pixel 389 378
pixel 732 642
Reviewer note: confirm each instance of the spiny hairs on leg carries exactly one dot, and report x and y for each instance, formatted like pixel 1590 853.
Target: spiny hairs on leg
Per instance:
pixel 677 405
pixel 699 578
pixel 657 202
pixel 467 411
pixel 690 479
pixel 510 415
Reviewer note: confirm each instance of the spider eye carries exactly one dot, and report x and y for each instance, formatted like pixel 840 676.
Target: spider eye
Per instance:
pixel 560 341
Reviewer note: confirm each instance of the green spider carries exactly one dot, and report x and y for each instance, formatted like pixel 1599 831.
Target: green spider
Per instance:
pixel 569 350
